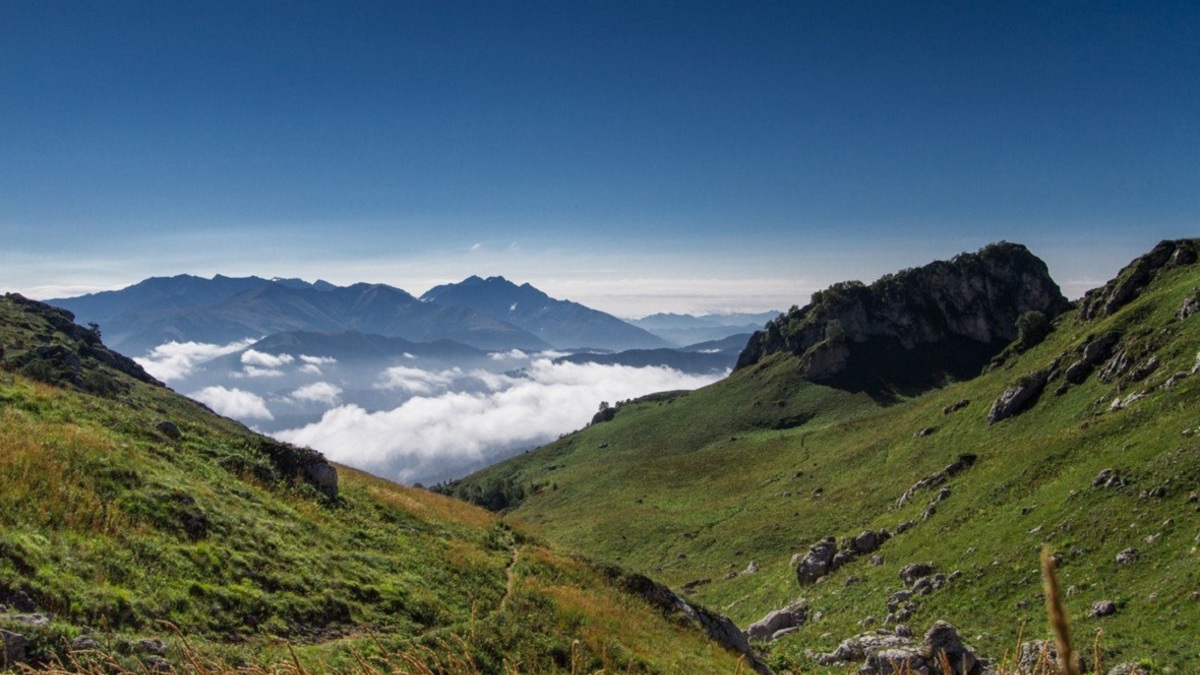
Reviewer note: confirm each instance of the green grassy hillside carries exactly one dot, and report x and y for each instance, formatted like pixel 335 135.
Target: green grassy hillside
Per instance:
pixel 694 487
pixel 115 527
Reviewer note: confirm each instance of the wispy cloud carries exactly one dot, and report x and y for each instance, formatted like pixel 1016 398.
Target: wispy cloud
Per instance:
pixel 234 402
pixel 416 380
pixel 318 392
pixel 177 360
pixel 510 355
pixel 430 434
pixel 253 357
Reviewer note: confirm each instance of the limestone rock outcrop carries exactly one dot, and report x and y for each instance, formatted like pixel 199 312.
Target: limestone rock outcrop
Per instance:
pixel 946 318
pixel 1130 281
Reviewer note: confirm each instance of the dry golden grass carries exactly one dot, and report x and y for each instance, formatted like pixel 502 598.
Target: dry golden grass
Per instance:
pixel 420 502
pixel 39 459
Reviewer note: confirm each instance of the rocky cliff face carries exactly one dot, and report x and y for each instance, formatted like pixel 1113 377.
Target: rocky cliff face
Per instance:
pixel 915 327
pixel 1129 283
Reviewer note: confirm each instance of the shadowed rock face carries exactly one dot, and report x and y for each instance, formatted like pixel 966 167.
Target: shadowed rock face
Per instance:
pixel 915 327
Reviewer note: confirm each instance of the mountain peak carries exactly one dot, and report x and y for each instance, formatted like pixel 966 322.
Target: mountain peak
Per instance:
pixel 916 327
pixel 562 323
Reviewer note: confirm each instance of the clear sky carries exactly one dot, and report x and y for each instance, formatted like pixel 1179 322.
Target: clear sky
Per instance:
pixel 635 156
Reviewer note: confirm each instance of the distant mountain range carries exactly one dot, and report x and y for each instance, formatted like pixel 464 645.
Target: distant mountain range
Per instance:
pixel 223 309
pixel 492 314
pixel 564 324
pixel 685 329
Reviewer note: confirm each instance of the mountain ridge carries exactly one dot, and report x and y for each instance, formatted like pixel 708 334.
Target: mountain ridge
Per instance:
pixel 742 493
pixel 689 329
pixel 224 310
pixel 562 323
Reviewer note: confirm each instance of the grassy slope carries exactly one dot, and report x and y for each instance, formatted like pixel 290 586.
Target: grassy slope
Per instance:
pixel 98 524
pixel 699 486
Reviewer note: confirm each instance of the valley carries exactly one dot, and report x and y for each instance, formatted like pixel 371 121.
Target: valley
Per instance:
pixel 418 390
pixel 886 458
pixel 725 490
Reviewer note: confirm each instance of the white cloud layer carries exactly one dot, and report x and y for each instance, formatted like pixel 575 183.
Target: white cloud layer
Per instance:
pixel 430 434
pixel 513 354
pixel 416 380
pixel 234 403
pixel 177 360
pixel 263 360
pixel 318 392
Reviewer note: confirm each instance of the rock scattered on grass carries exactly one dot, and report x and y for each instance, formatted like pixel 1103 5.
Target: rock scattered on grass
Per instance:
pixel 13 648
pixel 1109 478
pixel 85 643
pixel 913 571
pixel 779 622
pixel 892 652
pixel 1128 556
pixel 169 429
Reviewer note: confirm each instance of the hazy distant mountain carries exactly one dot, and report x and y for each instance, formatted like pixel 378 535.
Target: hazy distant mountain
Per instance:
pixel 686 329
pixel 734 344
pixel 697 363
pixel 564 324
pixel 224 309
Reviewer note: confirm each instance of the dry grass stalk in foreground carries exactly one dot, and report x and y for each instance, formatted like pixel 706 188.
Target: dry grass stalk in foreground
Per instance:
pixel 1057 614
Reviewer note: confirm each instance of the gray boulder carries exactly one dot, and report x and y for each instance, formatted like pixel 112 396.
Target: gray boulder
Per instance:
pixel 1094 352
pixel 779 621
pixel 899 660
pixel 152 646
pixel 913 571
pixel 782 632
pixel 942 651
pixel 1103 608
pixel 1018 397
pixel 817 562
pixel 1036 655
pixel 324 477
pixel 867 542
pixel 956 406
pixel 1128 556
pixel 1108 478
pixel 169 429
pixel 85 643
pixel 20 602
pixel 1190 306
pixel 861 647
pixel 945 646
pixel 35 620
pixel 13 650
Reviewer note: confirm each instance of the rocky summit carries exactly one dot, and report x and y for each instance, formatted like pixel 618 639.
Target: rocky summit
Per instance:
pixel 913 328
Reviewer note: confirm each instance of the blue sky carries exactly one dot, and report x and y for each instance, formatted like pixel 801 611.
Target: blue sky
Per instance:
pixel 635 156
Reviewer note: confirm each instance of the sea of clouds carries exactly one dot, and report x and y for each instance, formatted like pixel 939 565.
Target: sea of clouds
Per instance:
pixel 408 420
